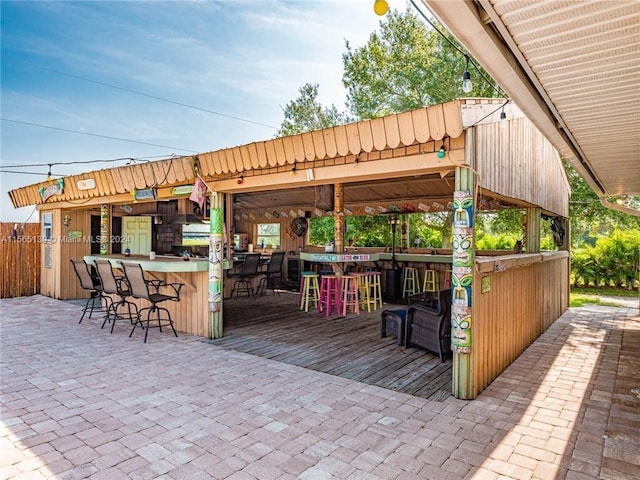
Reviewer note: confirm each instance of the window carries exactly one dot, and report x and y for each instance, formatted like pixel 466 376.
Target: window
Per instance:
pixel 269 235
pixel 47 227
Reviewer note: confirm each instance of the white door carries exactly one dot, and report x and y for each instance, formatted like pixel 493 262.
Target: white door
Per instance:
pixel 137 234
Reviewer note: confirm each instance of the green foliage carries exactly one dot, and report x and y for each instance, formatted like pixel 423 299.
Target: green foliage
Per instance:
pixel 405 65
pixel 589 218
pixel 305 113
pixel 612 261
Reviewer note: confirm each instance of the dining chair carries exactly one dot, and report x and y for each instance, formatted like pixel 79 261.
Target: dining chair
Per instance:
pixel 248 271
pixel 91 282
pixel 115 285
pixel 149 290
pixel 271 276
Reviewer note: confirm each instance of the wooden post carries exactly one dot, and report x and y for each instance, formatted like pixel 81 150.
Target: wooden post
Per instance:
pixel 533 230
pixel 215 297
pixel 338 219
pixel 105 223
pixel 462 275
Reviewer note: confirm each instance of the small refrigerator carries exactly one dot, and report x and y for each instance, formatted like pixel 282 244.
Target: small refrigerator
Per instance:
pixel 241 242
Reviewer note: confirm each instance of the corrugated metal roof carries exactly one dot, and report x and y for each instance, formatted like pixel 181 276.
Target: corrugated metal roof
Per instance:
pixel 573 67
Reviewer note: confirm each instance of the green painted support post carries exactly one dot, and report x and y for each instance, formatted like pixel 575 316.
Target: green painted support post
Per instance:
pixel 215 297
pixel 462 274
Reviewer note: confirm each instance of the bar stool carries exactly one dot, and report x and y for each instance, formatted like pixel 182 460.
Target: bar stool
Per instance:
pixel 375 295
pixel 309 290
pixel 364 289
pixel 447 278
pixel 329 294
pixel 430 281
pixel 349 289
pixel 411 281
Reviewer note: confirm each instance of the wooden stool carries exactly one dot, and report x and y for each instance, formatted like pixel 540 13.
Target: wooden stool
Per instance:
pixel 447 278
pixel 411 281
pixel 309 291
pixel 376 289
pixel 349 292
pixel 364 289
pixel 430 281
pixel 329 294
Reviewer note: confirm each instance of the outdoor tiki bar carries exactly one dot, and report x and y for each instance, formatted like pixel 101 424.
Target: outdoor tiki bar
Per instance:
pixel 191 220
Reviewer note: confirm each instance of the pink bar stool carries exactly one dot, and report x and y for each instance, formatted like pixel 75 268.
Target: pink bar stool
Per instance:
pixel 329 294
pixel 349 291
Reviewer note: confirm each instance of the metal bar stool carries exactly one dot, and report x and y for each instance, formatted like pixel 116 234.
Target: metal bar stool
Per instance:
pixel 411 282
pixel 309 291
pixel 329 294
pixel 349 292
pixel 430 281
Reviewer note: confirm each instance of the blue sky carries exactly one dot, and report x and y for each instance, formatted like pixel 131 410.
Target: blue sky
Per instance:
pixel 244 59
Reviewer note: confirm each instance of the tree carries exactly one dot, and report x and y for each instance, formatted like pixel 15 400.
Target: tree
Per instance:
pixel 589 218
pixel 405 66
pixel 305 113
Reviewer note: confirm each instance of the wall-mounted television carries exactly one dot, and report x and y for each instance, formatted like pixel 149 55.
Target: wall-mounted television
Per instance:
pixel 195 234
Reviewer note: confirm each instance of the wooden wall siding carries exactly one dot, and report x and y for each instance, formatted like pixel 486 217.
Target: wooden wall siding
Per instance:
pixel 524 165
pixel 20 272
pixel 390 132
pixel 522 304
pixel 60 280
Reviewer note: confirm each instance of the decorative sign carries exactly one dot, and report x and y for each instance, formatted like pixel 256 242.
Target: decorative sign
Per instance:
pixel 301 213
pixel 146 194
pixel 324 257
pixel 126 208
pixel 370 210
pixel 293 213
pixel 182 190
pixel 75 234
pixel 486 284
pixel 86 184
pixel 424 207
pixel 47 256
pixel 55 189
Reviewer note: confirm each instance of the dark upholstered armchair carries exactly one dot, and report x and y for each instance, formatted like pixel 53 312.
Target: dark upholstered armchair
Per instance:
pixel 430 328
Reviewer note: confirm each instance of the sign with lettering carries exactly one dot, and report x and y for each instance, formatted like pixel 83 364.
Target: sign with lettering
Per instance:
pixel 86 184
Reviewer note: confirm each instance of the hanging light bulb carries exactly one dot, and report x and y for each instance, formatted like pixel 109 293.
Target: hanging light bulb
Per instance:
pixel 49 173
pixel 442 152
pixel 380 7
pixel 503 116
pixel 467 85
pixel 240 179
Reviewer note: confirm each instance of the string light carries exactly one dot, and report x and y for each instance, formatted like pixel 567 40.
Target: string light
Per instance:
pixel 442 152
pixel 467 85
pixel 380 7
pixel 240 178
pixel 292 172
pixel 49 172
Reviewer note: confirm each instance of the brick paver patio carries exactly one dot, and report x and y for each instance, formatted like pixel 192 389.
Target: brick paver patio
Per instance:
pixel 78 402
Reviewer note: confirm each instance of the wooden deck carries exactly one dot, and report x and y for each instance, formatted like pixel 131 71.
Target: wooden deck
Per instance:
pixel 350 347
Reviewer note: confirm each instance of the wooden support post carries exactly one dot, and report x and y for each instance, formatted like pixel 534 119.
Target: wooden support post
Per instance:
pixel 338 219
pixel 532 243
pixel 216 286
pixel 462 275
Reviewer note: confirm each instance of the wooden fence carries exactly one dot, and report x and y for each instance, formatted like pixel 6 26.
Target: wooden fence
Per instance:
pixel 20 254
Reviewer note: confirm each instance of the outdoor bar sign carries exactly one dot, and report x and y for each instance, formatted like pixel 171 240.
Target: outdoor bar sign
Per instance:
pixel 145 194
pixel 54 189
pixel 86 184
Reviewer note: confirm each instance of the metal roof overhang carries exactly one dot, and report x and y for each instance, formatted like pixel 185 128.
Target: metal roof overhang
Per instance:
pixel 573 69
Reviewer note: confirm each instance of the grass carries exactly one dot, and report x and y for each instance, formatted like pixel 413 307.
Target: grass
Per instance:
pixel 598 296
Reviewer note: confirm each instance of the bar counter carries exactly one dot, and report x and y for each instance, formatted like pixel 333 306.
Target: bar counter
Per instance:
pixel 190 314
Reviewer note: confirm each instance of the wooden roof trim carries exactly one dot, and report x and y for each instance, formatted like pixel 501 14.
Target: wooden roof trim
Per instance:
pixel 371 136
pixel 318 144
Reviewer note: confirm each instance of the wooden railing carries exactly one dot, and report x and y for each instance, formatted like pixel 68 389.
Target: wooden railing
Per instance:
pixel 524 295
pixel 20 254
